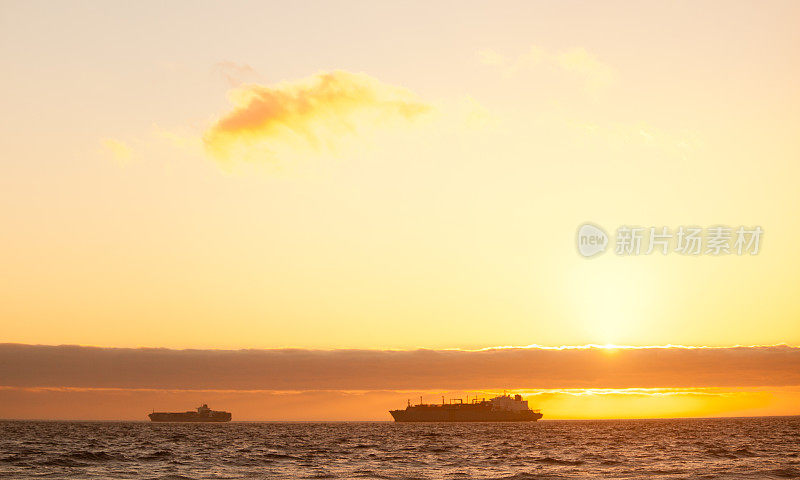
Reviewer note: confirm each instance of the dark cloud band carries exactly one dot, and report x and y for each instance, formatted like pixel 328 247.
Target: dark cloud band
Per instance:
pixel 293 369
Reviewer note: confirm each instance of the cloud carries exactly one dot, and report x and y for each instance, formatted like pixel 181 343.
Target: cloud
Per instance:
pixel 294 369
pixel 623 135
pixel 179 138
pixel 315 114
pixel 576 61
pixel 236 73
pixel 510 67
pixel 119 150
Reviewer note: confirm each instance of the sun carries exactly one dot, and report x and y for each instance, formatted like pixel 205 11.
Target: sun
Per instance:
pixel 610 298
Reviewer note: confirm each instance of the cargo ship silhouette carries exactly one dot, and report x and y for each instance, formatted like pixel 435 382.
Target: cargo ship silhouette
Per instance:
pixel 203 414
pixel 503 408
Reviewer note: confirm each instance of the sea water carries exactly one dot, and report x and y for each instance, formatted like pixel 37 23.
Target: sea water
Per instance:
pixel 765 447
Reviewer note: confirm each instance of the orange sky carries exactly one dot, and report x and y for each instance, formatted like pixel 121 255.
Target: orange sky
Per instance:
pixel 231 176
pixel 591 382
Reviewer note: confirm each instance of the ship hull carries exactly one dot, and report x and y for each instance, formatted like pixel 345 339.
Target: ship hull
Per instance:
pixel 190 417
pixel 444 414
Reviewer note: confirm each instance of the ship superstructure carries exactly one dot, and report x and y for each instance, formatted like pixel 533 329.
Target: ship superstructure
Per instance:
pixel 203 414
pixel 503 408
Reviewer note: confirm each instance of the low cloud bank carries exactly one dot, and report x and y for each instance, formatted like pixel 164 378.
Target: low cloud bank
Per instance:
pixel 294 369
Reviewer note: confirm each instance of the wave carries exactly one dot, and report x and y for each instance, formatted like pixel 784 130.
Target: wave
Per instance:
pixel 157 455
pixel 278 456
pixel 720 452
pixel 62 462
pixel 556 461
pixel 784 472
pixel 172 477
pixel 369 474
pixel 98 456
pixel 527 476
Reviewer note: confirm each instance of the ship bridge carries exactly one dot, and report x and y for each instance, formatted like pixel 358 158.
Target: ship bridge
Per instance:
pixel 508 403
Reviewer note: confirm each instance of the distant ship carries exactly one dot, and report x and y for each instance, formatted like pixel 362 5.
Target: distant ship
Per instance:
pixel 503 408
pixel 203 414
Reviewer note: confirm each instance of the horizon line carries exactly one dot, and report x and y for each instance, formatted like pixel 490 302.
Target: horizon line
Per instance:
pixel 532 346
pixel 597 419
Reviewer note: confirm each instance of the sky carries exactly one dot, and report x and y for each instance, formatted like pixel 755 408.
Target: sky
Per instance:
pixel 378 177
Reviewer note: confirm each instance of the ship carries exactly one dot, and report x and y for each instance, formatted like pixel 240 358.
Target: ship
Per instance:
pixel 503 408
pixel 203 414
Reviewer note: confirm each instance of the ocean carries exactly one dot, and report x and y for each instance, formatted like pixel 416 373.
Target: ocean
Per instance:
pixel 764 447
